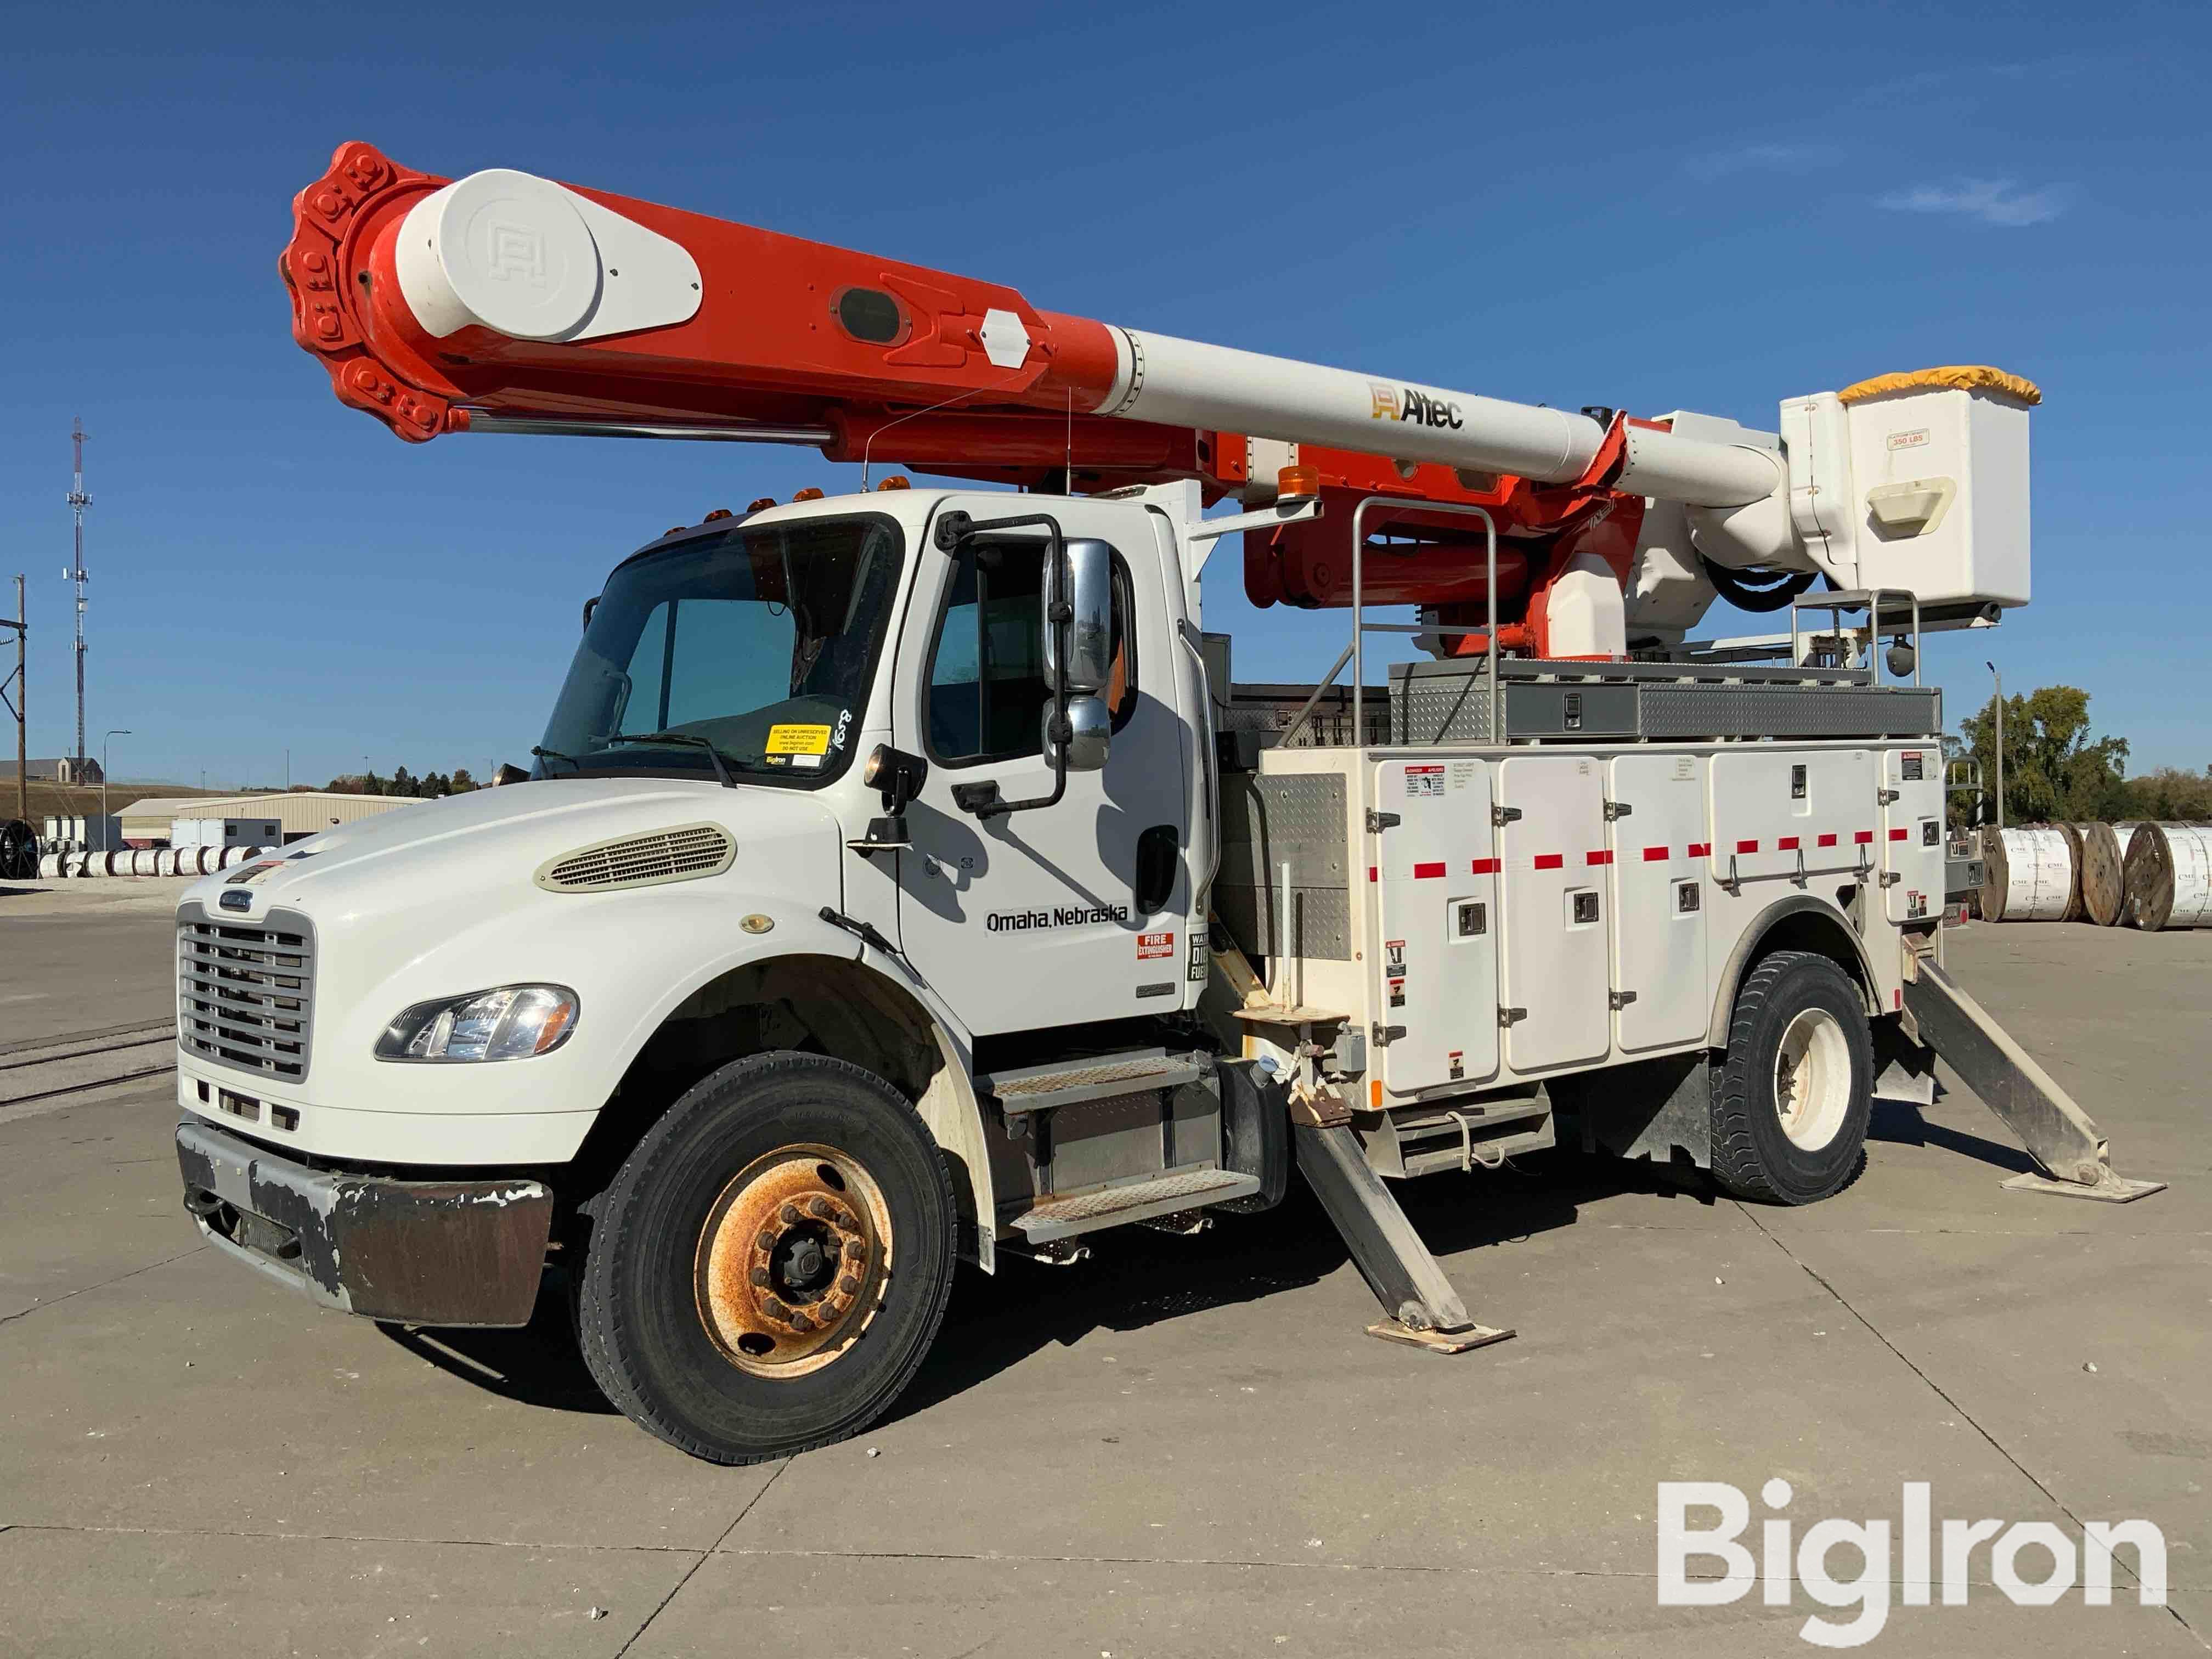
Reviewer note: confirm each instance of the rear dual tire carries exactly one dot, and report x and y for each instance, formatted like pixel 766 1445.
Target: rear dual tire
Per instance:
pixel 771 1265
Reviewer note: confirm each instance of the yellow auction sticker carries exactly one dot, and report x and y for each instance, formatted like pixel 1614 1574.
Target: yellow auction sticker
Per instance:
pixel 798 741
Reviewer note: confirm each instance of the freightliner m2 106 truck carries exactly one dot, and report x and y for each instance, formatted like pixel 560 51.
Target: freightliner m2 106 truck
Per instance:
pixel 905 879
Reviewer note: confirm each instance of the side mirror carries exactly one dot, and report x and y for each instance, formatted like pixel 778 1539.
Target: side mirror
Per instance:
pixel 1082 733
pixel 1080 601
pixel 1085 585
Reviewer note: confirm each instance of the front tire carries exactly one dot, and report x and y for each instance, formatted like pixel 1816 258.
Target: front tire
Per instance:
pixel 1796 1087
pixel 771 1263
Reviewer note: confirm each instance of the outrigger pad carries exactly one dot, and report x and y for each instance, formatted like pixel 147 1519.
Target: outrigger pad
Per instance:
pixel 1475 1336
pixel 2112 1189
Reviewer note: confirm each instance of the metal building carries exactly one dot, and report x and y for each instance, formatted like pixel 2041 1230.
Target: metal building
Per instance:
pixel 147 822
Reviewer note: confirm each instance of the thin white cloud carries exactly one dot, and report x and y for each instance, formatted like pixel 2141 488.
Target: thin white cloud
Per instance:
pixel 1991 201
pixel 1759 158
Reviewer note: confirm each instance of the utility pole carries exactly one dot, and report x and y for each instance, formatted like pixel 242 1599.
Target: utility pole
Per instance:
pixel 78 501
pixel 1992 667
pixel 15 706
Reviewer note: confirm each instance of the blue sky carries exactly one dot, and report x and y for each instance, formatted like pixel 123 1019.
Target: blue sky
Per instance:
pixel 1705 207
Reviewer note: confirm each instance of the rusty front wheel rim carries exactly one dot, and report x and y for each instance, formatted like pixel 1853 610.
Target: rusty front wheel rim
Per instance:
pixel 792 1260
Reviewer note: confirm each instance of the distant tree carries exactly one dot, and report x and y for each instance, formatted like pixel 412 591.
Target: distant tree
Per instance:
pixel 462 783
pixel 2169 794
pixel 403 782
pixel 2053 769
pixel 436 786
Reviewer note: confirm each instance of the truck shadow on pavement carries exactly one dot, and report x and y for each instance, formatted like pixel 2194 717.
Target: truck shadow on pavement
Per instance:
pixel 1137 1278
pixel 1901 1124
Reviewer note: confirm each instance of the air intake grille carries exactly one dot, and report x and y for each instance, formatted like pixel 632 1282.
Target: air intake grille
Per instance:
pixel 680 854
pixel 246 995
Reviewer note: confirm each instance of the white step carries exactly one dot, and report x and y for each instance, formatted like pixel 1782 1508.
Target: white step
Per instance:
pixel 1135 1200
pixel 1039 1088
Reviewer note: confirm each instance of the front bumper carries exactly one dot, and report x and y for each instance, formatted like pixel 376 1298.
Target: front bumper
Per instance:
pixel 421 1252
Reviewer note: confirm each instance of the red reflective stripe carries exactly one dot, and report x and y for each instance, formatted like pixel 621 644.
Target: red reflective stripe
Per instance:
pixel 1371 876
pixel 1485 867
pixel 1827 840
pixel 1550 860
pixel 1654 855
pixel 1787 844
pixel 1897 835
pixel 1700 849
pixel 1900 999
pixel 1428 872
pixel 1602 857
pixel 1747 847
pixel 1862 837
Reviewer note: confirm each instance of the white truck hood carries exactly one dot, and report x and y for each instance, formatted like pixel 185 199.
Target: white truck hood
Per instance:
pixel 464 846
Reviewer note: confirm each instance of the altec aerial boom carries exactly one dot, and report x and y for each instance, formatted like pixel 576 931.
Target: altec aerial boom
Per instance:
pixel 503 301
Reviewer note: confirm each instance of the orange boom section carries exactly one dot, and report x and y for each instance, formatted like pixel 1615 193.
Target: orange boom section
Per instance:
pixel 872 359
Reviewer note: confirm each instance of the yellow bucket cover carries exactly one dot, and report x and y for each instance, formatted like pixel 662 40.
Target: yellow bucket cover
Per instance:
pixel 1958 377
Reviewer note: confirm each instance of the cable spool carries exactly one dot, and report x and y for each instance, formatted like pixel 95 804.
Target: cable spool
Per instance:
pixel 2104 858
pixel 2030 874
pixel 2168 876
pixel 2077 834
pixel 19 850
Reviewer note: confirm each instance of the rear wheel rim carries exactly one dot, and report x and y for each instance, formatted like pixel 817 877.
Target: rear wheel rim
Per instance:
pixel 793 1261
pixel 1812 1079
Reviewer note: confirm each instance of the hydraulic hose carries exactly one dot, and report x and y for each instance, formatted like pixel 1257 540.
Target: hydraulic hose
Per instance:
pixel 1774 595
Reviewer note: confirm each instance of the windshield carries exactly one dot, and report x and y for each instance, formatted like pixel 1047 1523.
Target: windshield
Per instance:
pixel 761 642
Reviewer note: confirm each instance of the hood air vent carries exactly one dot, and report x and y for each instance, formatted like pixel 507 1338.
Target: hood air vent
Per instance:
pixel 684 853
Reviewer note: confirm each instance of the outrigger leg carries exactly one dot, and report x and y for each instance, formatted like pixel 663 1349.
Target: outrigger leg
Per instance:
pixel 2062 1137
pixel 1420 1304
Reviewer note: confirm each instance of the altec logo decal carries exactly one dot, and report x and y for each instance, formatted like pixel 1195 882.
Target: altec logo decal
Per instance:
pixel 1412 404
pixel 1932 1552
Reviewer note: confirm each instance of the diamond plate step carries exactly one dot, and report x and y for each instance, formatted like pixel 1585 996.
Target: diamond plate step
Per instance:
pixel 1039 1088
pixel 1138 1201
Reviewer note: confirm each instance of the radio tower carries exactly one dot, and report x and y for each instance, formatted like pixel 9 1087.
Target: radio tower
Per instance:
pixel 78 501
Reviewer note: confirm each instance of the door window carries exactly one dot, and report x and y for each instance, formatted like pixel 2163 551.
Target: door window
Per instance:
pixel 987 687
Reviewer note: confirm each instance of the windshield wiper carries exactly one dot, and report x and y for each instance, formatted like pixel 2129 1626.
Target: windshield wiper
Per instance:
pixel 691 740
pixel 554 754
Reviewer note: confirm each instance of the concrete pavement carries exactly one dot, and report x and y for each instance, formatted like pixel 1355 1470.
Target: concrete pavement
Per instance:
pixel 1187 1446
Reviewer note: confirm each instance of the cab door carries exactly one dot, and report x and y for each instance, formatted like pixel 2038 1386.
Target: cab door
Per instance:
pixel 1060 914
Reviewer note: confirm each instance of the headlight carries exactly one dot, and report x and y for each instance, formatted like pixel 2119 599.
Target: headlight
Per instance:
pixel 512 1023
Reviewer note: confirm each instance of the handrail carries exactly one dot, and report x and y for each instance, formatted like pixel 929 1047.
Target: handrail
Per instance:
pixel 1358 547
pixel 1868 600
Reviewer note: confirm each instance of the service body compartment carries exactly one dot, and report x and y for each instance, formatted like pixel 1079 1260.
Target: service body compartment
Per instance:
pixel 1660 846
pixel 1912 832
pixel 1437 886
pixel 1557 947
pixel 1791 813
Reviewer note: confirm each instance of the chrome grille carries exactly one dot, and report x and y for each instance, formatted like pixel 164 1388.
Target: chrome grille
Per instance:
pixel 680 854
pixel 246 994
